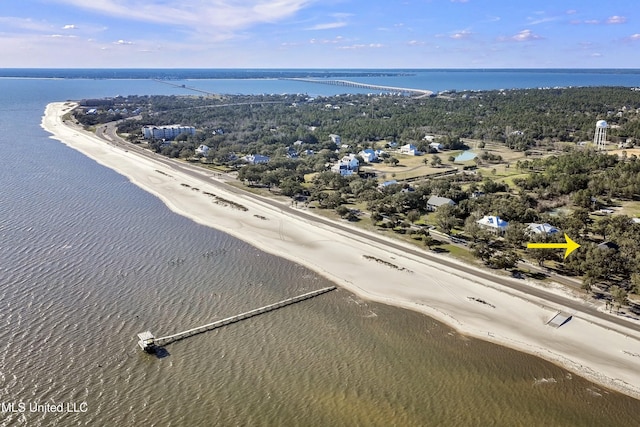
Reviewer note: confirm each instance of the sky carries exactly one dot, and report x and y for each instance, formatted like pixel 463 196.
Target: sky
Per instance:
pixel 319 34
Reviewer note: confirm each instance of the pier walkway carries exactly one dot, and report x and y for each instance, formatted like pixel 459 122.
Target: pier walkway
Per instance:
pixel 347 83
pixel 149 343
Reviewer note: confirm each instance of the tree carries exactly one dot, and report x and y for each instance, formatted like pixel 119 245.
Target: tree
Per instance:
pixel 635 283
pixel 413 215
pixel 515 235
pixel 290 186
pixel 429 241
pixel 588 280
pixel 483 250
pixel 376 217
pixel 436 161
pixel 505 260
pixel 392 161
pixel 619 295
pixel 446 219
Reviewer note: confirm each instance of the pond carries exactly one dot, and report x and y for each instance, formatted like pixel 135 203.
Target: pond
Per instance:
pixel 465 156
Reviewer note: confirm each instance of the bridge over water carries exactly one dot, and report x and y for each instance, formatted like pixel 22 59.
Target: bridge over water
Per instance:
pixel 347 83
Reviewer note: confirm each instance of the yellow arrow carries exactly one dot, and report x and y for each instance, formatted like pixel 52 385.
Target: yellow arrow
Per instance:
pixel 570 246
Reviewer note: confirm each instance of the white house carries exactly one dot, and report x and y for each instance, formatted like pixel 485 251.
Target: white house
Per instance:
pixel 256 159
pixel 335 139
pixel 347 166
pixel 545 228
pixel 409 149
pixel 202 150
pixel 493 223
pixel 436 146
pixel 368 155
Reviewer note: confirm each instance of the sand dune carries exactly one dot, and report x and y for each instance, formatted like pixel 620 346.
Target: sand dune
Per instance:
pixel 594 348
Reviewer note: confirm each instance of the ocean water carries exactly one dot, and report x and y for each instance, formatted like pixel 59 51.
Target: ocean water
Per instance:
pixel 88 260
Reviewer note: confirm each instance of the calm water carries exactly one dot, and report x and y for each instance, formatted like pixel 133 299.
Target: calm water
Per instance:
pixel 87 260
pixel 465 156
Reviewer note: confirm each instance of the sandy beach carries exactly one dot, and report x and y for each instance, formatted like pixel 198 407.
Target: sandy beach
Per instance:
pixel 603 352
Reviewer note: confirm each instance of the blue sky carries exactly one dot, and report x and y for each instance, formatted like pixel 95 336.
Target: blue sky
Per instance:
pixel 320 33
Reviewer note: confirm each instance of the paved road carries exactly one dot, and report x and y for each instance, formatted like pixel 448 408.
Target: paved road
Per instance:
pixel 107 132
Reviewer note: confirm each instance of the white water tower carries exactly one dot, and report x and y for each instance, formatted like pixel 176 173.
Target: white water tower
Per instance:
pixel 600 137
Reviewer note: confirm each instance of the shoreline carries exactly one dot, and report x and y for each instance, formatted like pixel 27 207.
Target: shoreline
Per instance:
pixel 602 352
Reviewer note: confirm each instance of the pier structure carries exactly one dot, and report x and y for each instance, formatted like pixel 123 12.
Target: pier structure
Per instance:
pixel 347 83
pixel 148 342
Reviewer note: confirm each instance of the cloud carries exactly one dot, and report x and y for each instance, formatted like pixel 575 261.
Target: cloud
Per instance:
pixel 464 34
pixel 616 19
pixel 211 17
pixel 69 27
pixel 338 39
pixel 543 20
pixel 327 26
pixel 24 24
pixel 60 36
pixel 522 36
pixel 362 46
pixel 415 43
pixel 123 42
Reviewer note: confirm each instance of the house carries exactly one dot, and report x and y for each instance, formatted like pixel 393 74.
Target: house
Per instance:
pixel 335 139
pixel 292 153
pixel 202 150
pixel 387 183
pixel 409 149
pixel 368 155
pixel 543 229
pixel 608 246
pixel 436 146
pixel 493 223
pixel 435 202
pixel 347 165
pixel 256 159
pixel 342 169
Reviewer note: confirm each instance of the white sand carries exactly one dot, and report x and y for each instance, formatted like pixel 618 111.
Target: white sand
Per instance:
pixel 596 349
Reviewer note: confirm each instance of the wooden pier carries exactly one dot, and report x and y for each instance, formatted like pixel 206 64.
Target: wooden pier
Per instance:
pixel 149 343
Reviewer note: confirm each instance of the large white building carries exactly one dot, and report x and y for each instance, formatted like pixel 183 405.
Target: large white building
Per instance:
pixel 166 132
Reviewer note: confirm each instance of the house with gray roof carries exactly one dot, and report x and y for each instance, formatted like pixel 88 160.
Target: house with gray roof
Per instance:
pixel 435 202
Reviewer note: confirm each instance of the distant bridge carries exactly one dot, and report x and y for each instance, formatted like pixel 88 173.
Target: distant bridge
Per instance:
pixel 347 83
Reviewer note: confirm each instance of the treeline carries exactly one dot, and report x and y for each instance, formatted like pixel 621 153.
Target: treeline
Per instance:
pixel 519 118
pixel 584 175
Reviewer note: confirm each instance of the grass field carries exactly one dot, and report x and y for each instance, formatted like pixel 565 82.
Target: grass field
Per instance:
pixel 630 208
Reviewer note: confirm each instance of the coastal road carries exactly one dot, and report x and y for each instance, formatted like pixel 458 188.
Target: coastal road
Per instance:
pixel 108 133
